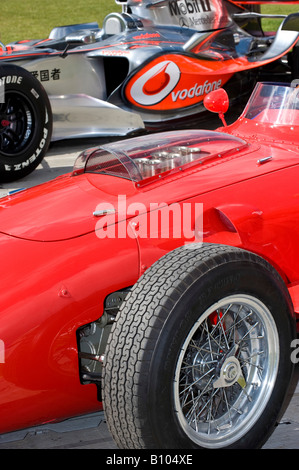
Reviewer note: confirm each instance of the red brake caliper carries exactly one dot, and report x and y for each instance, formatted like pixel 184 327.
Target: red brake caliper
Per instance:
pixel 214 317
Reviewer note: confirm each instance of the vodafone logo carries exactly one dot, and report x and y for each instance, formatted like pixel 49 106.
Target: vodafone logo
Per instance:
pixel 155 84
pixel 196 90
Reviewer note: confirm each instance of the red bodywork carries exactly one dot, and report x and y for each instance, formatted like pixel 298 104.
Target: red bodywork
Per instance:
pixel 58 267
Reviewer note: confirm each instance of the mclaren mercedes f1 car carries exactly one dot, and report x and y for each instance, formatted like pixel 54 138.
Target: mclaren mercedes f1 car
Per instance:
pixel 159 279
pixel 147 68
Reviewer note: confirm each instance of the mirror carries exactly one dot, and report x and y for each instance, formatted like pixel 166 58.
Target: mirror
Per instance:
pixel 217 102
pixel 85 38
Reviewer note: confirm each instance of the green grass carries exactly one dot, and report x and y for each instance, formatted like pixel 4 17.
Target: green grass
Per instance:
pixel 34 19
pixel 273 24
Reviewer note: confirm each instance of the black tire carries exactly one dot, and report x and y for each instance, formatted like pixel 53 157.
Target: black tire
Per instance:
pixel 25 122
pixel 226 315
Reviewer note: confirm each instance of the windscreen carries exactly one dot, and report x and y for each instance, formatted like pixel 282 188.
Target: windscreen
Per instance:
pixel 274 104
pixel 156 155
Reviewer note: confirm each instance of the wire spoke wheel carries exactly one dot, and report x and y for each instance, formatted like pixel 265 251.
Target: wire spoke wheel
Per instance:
pixel 226 371
pixel 199 357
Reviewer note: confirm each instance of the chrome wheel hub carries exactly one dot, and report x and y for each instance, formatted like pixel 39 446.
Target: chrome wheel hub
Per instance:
pixel 230 373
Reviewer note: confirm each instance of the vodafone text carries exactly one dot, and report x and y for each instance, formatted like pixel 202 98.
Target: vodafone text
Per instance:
pixel 196 90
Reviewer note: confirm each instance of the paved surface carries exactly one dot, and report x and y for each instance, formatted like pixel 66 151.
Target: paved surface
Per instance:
pixel 59 160
pixel 90 432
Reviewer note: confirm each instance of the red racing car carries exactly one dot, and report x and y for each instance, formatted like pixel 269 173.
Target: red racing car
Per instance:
pixel 147 68
pixel 159 280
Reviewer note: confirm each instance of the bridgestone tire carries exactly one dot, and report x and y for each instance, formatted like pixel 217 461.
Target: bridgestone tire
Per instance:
pixel 25 122
pixel 199 356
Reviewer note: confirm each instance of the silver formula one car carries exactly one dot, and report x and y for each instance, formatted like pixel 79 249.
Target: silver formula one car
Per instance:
pixel 147 68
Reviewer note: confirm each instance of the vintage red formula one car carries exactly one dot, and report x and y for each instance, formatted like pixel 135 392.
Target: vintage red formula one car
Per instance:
pixel 147 68
pixel 160 280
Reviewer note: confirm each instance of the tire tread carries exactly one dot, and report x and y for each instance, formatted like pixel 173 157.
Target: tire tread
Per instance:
pixel 136 331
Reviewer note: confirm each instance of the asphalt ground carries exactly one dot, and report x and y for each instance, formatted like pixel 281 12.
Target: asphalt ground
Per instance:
pixel 90 432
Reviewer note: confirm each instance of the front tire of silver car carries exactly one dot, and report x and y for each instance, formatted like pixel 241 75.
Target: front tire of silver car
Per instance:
pixel 25 122
pixel 200 354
